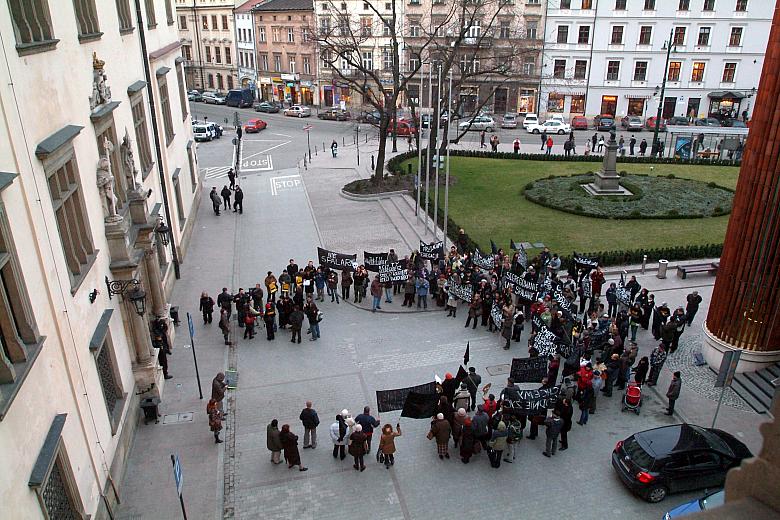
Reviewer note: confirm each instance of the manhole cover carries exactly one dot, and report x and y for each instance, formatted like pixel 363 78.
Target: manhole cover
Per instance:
pixel 496 370
pixel 174 418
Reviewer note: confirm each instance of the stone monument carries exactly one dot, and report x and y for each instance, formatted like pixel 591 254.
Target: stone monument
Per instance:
pixel 607 180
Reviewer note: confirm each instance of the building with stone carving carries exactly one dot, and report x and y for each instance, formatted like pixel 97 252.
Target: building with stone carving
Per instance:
pixel 98 191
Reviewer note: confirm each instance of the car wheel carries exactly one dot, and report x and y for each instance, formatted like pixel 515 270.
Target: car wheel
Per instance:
pixel 535 131
pixel 489 129
pixel 561 132
pixel 656 494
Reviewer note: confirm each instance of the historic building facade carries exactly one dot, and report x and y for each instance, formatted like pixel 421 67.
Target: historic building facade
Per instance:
pixel 98 191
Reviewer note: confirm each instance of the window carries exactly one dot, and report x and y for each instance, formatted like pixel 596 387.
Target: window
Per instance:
pixel 32 23
pixel 577 104
pixel 228 57
pixel 306 65
pixel 387 59
pixel 620 5
pixel 225 26
pixel 56 494
pixel 325 25
pixel 617 35
pixel 291 59
pixel 613 70
pixel 305 34
pixel 86 19
pixel 645 35
pixel 169 12
pixel 183 22
pixel 220 82
pixel 208 53
pixel 193 174
pixel 275 34
pixel 698 71
pixel 218 54
pixel 555 102
pixel 210 80
pixel 365 25
pixel 704 36
pixel 649 5
pixel 414 62
pixel 640 71
pixel 563 33
pixel 741 5
pixel 141 134
pixel 126 18
pixel 674 71
pixel 530 30
pixel 112 391
pixel 679 36
pixel 186 52
pixel 584 34
pixel 586 4
pixel 151 19
pixel 565 4
pixel 204 20
pixel 72 223
pixel 264 61
pixel 474 30
pixel 559 69
pixel 414 29
pixel 261 33
pixel 229 82
pixel 368 60
pixel 729 72
pixel 165 106
pixel 277 62
pixel 735 39
pixel 709 5
pixel 684 5
pixel 214 25
pixel 580 69
pixel 503 29
pixel 182 89
pixel 290 35
pixel 344 26
pixel 528 68
pixel 177 194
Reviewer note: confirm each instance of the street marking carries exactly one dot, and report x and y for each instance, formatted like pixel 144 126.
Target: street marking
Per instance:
pixel 284 183
pixel 257 165
pixel 262 151
pixel 283 135
pixel 216 172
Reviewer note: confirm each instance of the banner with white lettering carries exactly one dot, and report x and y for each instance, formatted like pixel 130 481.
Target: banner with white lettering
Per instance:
pixel 528 370
pixel 623 295
pixel 522 256
pixel 585 263
pixel 484 262
pixel 464 292
pixel 497 315
pixel 534 402
pixel 587 288
pixel 392 272
pixel 524 289
pixel 544 341
pixel 372 261
pixel 336 260
pixel 432 251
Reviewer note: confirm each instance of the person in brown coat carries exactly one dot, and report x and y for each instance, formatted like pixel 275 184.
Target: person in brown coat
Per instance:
pixel 440 430
pixel 358 446
pixel 290 446
pixel 457 425
pixel 467 441
pixel 387 443
pixel 215 419
pixel 346 283
pixel 218 386
pixel 475 311
pixel 273 443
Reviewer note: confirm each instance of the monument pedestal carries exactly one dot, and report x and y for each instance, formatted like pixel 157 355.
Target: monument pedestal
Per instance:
pixel 607 179
pixel 712 348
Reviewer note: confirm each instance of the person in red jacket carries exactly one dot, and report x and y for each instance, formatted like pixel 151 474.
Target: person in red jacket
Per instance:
pixel 596 281
pixel 491 405
pixel 585 377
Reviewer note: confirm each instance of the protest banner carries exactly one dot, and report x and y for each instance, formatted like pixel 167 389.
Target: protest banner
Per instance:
pixel 497 315
pixel 420 406
pixel 483 262
pixel 432 251
pixel 389 400
pixel 528 370
pixel 372 261
pixel 545 341
pixel 464 292
pixel 335 260
pixel 392 272
pixel 584 263
pixel 534 402
pixel 623 295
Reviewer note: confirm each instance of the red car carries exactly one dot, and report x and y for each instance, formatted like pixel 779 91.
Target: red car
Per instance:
pixel 402 128
pixel 254 126
pixel 579 123
pixel 650 124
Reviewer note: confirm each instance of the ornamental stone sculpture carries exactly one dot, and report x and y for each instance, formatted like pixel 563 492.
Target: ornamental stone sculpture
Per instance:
pixel 105 183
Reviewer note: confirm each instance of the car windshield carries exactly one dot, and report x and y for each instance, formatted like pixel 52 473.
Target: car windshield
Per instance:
pixel 199 129
pixel 713 500
pixel 638 455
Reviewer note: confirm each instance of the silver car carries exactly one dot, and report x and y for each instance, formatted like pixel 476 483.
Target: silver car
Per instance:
pixel 478 123
pixel 213 98
pixel 297 111
pixel 509 121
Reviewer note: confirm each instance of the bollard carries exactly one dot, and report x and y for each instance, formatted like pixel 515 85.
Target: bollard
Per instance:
pixel 323 146
pixel 343 141
pixel 372 162
pixel 366 137
pixel 644 263
pixel 315 150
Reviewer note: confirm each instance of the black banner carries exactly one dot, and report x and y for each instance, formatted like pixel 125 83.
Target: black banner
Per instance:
pixel 524 289
pixel 563 303
pixel 534 402
pixel 497 315
pixel 544 341
pixel 585 263
pixel 389 400
pixel 372 261
pixel 336 260
pixel 528 370
pixel 484 262
pixel 392 272
pixel 464 292
pixel 587 288
pixel 432 251
pixel 420 406
pixel 623 295
pixel 522 256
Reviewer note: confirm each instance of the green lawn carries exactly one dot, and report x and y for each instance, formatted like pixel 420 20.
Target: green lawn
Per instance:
pixel 486 200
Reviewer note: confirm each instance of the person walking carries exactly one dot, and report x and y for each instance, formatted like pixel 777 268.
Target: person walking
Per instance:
pixel 408 292
pixel 497 444
pixel 421 287
pixel 339 434
pixel 565 411
pixel 357 447
pixel 473 380
pixel 367 422
pixel 376 294
pixel 334 148
pixel 290 446
pixel 238 201
pixel 225 301
pixel 216 201
pixel 226 193
pixel 482 139
pixel 516 146
pixel 673 393
pixel 657 360
pixel 273 443
pixel 215 419
pixel 549 145
pixel 475 311
pixel 643 147
pixel 269 318
pixel 206 307
pixel 232 178
pixel 224 325
pixel 250 317
pixel 440 431
pixel 640 371
pixel 692 306
pixel 585 396
pixel 544 139
pixel 296 324
pixel 310 421
pixel 387 444
pixel 601 143
pixel 631 143
pixel 553 425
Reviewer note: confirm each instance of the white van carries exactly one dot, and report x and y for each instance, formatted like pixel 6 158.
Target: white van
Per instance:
pixel 530 119
pixel 202 133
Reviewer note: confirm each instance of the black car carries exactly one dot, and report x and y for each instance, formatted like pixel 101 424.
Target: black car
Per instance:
pixel 267 106
pixel 734 123
pixel 605 124
pixel 707 121
pixel 681 457
pixel 678 121
pixel 372 118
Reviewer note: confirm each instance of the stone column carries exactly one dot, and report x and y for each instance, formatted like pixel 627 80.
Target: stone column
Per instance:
pixel 745 309
pixel 141 338
pixel 154 281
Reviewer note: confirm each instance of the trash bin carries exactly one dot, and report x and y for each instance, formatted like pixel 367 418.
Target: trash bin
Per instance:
pixel 663 265
pixel 149 406
pixel 175 315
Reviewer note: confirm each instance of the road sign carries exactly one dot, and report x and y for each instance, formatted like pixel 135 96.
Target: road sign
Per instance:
pixel 190 325
pixel 728 367
pixel 307 127
pixel 177 474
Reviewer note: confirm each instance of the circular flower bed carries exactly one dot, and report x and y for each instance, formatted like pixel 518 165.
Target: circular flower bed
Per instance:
pixel 666 197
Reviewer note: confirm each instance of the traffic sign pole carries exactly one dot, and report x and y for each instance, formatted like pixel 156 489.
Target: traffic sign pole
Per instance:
pixel 194 357
pixel 178 478
pixel 728 367
pixel 308 140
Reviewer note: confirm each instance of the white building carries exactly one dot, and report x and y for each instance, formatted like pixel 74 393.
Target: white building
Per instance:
pixel 609 56
pixel 95 151
pixel 246 51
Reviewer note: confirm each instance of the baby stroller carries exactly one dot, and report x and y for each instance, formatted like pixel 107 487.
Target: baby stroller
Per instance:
pixel 632 399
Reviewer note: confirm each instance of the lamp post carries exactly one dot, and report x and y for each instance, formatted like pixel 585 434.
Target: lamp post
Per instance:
pixel 130 289
pixel 668 46
pixel 162 232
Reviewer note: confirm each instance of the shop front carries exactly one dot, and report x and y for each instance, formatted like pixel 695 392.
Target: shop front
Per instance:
pixel 726 104
pixel 291 89
pixel 526 102
pixel 266 89
pixel 609 105
pixel 637 105
pixel 307 94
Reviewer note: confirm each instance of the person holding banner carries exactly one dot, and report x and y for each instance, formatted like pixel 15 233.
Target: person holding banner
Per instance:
pixel 387 443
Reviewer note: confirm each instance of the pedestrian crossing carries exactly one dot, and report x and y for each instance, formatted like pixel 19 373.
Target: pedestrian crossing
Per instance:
pixel 216 172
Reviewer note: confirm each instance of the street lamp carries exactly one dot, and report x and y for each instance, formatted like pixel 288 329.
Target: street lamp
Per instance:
pixel 162 232
pixel 668 47
pixel 130 289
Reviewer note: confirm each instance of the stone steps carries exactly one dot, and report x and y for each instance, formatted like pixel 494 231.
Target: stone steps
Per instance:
pixel 756 388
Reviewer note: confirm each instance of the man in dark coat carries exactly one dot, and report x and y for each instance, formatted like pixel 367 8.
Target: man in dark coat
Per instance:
pixel 216 201
pixel 232 178
pixel 692 307
pixel 473 380
pixel 225 301
pixel 296 323
pixel 310 421
pixel 367 422
pixel 226 193
pixel 238 201
pixel 674 392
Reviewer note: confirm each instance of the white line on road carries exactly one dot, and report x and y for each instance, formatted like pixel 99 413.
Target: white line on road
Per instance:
pixel 283 135
pixel 262 151
pixel 281 182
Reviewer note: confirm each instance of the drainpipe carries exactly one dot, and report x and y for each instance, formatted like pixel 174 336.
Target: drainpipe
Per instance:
pixel 590 59
pixel 155 131
pixel 198 43
pixel 541 65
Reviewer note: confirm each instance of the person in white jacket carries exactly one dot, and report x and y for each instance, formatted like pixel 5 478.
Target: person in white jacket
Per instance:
pixel 339 434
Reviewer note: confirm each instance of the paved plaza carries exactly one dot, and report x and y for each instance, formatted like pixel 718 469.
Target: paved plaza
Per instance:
pixel 288 212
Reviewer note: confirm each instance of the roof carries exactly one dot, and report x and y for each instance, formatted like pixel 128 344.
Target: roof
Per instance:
pixel 283 5
pixel 726 94
pixel 679 437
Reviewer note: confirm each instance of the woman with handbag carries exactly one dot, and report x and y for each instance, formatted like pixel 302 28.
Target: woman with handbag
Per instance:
pixel 386 451
pixel 290 446
pixel 358 447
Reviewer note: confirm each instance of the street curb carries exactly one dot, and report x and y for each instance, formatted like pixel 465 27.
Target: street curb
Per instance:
pixel 676 413
pixel 371 197
pixel 382 311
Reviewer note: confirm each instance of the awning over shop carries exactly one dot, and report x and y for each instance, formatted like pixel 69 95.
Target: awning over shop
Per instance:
pixel 726 94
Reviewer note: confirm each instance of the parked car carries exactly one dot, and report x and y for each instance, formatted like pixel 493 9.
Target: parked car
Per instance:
pixel 708 501
pixel 202 133
pixel 267 106
pixel 240 98
pixel 579 123
pixel 734 123
pixel 254 126
pixel 478 123
pixel 650 124
pixel 530 119
pixel 213 98
pixel 632 123
pixel 680 457
pixel 370 117
pixel 194 95
pixel 334 114
pixel 678 121
pixel 551 126
pixel 556 117
pixel 509 121
pixel 297 111
pixel 707 121
pixel 402 128
pixel 604 123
